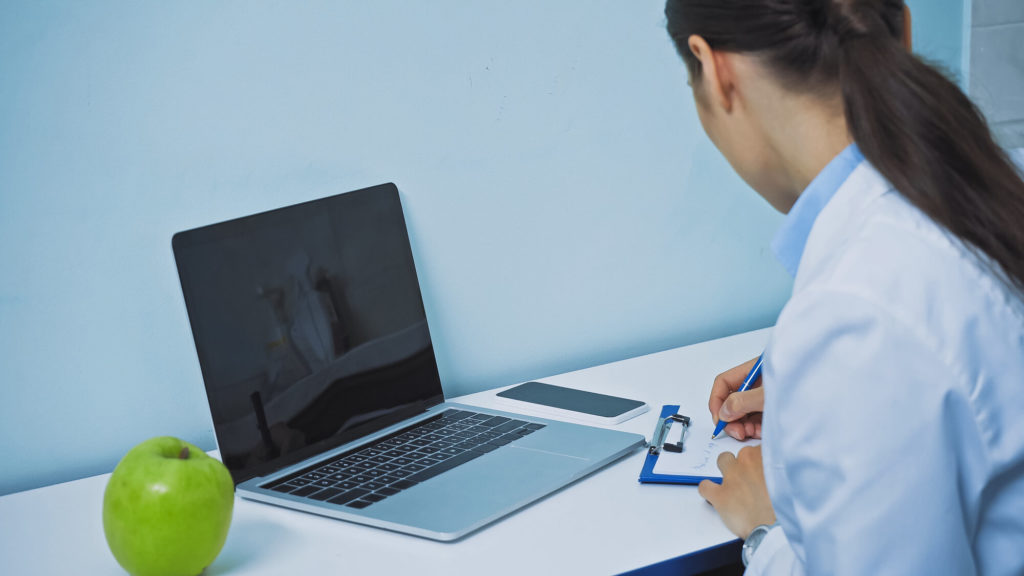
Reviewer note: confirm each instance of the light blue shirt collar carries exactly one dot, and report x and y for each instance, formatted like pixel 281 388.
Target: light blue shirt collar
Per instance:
pixel 791 239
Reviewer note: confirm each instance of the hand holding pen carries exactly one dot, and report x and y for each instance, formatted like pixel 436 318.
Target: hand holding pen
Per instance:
pixel 737 400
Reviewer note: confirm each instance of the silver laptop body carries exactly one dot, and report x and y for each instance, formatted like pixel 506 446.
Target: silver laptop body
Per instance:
pixel 322 382
pixel 478 492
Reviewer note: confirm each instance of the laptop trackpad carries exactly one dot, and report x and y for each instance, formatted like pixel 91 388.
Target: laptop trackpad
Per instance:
pixel 480 490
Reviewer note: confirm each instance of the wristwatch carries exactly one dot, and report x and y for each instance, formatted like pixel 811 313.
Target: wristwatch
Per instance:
pixel 754 540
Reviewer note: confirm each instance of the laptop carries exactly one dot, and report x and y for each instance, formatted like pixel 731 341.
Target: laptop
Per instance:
pixel 323 385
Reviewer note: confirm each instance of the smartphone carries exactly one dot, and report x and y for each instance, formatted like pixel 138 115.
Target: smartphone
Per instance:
pixel 572 404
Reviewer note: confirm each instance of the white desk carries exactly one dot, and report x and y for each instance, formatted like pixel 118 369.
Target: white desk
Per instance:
pixel 606 523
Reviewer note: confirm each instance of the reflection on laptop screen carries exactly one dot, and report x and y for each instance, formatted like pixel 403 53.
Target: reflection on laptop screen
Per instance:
pixel 309 326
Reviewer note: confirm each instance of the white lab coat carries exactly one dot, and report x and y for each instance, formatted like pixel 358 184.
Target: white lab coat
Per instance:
pixel 893 434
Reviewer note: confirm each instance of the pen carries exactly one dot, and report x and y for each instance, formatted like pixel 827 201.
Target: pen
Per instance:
pixel 755 373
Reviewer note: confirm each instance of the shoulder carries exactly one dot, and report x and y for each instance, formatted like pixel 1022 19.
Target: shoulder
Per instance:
pixel 882 249
pixel 877 265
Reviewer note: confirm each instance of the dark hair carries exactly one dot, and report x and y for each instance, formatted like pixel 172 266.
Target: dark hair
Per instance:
pixel 912 123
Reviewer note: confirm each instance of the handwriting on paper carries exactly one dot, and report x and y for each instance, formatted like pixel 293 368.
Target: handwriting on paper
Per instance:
pixel 700 454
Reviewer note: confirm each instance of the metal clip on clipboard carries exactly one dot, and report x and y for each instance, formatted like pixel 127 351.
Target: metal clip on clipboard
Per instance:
pixel 658 448
pixel 661 433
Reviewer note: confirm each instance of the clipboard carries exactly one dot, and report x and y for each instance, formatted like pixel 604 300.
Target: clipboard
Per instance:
pixel 700 455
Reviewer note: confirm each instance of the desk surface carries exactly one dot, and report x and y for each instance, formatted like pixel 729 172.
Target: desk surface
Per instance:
pixel 606 523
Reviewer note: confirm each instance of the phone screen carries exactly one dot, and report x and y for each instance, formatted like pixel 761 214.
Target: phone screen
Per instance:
pixel 571 399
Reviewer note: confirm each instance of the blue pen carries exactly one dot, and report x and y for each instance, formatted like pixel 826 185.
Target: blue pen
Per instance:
pixel 755 373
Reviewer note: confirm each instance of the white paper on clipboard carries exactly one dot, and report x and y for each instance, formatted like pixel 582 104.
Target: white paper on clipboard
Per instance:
pixel 700 453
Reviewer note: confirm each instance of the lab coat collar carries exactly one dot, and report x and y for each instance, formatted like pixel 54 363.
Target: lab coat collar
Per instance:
pixel 791 239
pixel 840 220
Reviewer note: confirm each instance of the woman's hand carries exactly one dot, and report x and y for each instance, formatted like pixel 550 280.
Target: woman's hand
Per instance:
pixel 742 498
pixel 741 409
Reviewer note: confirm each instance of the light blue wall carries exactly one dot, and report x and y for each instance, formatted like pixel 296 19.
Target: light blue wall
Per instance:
pixel 996 67
pixel 565 207
pixel 939 33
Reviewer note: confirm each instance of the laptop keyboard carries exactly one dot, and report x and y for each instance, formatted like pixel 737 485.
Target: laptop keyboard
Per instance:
pixel 359 478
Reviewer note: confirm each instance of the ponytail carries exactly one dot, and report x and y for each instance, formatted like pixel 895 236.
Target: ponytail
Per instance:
pixel 911 123
pixel 929 140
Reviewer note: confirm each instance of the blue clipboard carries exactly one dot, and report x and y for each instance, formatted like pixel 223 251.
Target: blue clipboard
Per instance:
pixel 647 475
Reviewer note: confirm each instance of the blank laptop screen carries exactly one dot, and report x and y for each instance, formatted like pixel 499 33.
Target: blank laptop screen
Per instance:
pixel 309 327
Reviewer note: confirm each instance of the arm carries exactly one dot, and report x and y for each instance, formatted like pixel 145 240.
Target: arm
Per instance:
pixel 860 423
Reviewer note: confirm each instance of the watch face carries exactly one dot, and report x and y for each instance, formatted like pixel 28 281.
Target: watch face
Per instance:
pixel 753 541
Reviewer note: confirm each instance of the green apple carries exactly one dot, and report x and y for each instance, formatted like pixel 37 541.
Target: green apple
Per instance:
pixel 167 509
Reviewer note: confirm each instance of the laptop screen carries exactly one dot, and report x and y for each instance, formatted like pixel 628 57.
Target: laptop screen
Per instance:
pixel 309 326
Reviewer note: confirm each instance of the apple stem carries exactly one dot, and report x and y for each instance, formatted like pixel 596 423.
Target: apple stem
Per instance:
pixel 184 453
